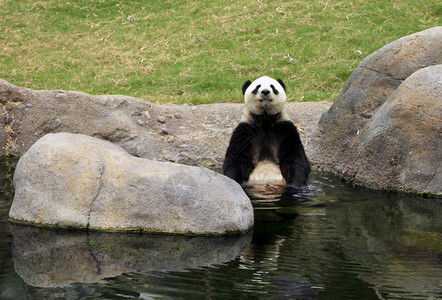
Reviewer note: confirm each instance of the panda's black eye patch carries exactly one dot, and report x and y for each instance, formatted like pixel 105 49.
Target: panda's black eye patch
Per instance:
pixel 275 91
pixel 255 91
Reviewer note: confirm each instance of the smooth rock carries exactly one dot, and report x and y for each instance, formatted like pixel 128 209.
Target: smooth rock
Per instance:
pixel 76 181
pixel 161 119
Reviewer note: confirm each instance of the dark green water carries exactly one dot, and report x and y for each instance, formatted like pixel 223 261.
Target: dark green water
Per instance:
pixel 334 242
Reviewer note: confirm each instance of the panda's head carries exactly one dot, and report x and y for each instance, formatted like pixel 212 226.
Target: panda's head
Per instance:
pixel 264 95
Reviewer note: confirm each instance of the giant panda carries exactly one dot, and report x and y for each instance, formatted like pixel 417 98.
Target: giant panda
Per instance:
pixel 265 148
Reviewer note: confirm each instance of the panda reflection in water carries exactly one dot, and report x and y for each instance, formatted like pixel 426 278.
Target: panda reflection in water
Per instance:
pixel 266 148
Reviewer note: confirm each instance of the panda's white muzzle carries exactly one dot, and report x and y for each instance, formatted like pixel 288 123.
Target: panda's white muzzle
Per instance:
pixel 266 102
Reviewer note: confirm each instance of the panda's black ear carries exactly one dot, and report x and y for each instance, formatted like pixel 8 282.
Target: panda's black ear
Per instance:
pixel 281 83
pixel 245 86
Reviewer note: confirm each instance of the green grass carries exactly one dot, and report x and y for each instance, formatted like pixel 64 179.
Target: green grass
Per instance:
pixel 198 51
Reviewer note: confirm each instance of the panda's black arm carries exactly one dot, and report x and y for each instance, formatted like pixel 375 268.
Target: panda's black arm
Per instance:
pixel 293 162
pixel 238 162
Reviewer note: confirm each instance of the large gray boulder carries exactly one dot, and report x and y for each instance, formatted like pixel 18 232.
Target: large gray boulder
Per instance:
pixel 352 140
pixel 177 133
pixel 401 145
pixel 76 181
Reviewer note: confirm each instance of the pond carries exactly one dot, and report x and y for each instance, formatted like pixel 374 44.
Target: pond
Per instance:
pixel 334 241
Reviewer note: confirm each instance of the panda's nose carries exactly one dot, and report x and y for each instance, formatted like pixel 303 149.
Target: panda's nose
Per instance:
pixel 265 92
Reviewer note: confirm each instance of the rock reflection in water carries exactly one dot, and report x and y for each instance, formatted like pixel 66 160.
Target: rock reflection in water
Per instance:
pixel 50 258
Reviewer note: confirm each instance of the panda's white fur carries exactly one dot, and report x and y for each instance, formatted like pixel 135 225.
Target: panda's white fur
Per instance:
pixel 258 104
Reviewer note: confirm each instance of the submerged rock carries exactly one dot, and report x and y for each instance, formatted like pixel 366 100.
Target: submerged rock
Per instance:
pixel 383 130
pixel 76 181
